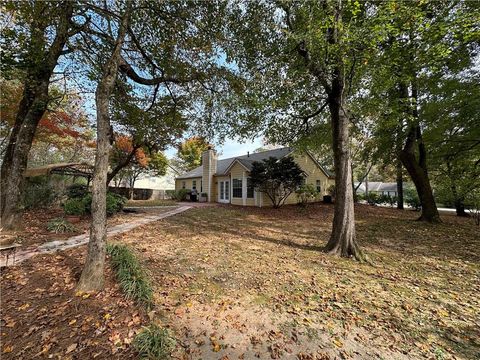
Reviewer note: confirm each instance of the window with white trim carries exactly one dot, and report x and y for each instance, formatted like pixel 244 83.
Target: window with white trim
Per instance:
pixel 319 187
pixel 194 184
pixel 237 188
pixel 184 184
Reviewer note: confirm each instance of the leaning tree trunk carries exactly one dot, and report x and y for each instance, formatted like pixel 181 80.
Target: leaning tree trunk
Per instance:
pixel 32 107
pixel 342 240
pixel 399 185
pixel 417 170
pixel 92 277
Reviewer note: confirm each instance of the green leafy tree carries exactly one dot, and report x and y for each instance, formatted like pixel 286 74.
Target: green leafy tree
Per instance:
pixel 189 154
pixel 277 178
pixel 35 35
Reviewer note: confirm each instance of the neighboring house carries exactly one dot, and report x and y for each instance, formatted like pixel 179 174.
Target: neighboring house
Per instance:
pixel 227 180
pixel 381 188
pixel 166 182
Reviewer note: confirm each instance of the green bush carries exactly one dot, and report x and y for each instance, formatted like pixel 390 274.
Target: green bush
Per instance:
pixel 154 343
pixel 76 191
pixel 81 206
pixel 170 193
pixel 306 193
pixel 74 207
pixel 412 199
pixel 132 278
pixel 60 225
pixel 181 194
pixel 38 193
pixel 372 198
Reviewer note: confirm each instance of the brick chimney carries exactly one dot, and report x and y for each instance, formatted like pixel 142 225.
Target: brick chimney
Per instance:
pixel 209 163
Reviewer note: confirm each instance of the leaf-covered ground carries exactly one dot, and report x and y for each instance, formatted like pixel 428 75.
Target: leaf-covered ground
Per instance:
pixel 42 316
pixel 245 283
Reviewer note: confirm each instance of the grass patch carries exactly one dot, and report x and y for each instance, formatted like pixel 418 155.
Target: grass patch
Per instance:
pixel 154 343
pixel 60 225
pixel 133 279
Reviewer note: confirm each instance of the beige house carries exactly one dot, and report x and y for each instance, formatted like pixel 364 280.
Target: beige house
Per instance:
pixel 227 180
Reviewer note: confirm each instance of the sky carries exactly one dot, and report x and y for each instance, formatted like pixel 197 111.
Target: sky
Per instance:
pixel 230 148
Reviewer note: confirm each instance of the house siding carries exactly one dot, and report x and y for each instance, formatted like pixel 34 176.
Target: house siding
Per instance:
pixel 188 183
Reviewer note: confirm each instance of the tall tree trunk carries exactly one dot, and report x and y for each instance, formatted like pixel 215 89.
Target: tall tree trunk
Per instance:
pixel 342 240
pixel 399 185
pixel 32 107
pixel 418 172
pixel 92 277
pixel 417 168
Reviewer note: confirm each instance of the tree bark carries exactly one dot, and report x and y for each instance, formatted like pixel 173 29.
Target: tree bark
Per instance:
pixel 418 172
pixel 399 185
pixel 417 168
pixel 32 107
pixel 92 277
pixel 342 240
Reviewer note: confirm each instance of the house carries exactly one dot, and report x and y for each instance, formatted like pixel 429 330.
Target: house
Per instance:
pixel 227 180
pixel 380 188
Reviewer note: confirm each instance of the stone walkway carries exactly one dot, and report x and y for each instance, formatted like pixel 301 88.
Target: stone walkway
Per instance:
pixel 78 240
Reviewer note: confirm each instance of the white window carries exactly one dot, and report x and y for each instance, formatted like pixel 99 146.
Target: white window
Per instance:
pixel 184 184
pixel 319 188
pixel 237 188
pixel 194 184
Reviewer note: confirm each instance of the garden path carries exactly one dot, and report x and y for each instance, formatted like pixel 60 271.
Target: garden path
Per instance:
pixel 82 239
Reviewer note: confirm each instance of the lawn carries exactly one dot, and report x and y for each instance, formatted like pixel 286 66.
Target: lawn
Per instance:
pixel 241 283
pixel 252 283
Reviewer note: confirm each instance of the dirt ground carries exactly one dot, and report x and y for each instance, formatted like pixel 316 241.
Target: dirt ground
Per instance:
pixel 245 283
pixel 252 283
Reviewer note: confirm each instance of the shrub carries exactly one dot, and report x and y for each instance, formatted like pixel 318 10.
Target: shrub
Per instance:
pixel 130 274
pixel 412 199
pixel 372 198
pixel 60 225
pixel 170 194
pixel 38 193
pixel 181 194
pixel 154 343
pixel 74 207
pixel 115 203
pixel 306 193
pixel 76 191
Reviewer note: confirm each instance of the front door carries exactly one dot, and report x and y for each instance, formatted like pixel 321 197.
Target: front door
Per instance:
pixel 224 191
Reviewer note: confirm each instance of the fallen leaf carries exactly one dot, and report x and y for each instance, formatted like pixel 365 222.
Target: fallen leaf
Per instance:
pixel 71 348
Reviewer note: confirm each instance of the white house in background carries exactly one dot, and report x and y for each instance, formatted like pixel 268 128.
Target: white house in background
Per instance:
pixel 166 182
pixel 381 188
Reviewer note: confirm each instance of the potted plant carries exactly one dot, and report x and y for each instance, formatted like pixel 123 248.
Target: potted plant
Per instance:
pixel 203 197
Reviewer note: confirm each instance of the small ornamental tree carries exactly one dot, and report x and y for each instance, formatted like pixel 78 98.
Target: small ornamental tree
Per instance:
pixel 277 178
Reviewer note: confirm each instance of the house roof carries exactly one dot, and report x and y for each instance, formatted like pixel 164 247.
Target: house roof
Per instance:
pixel 223 165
